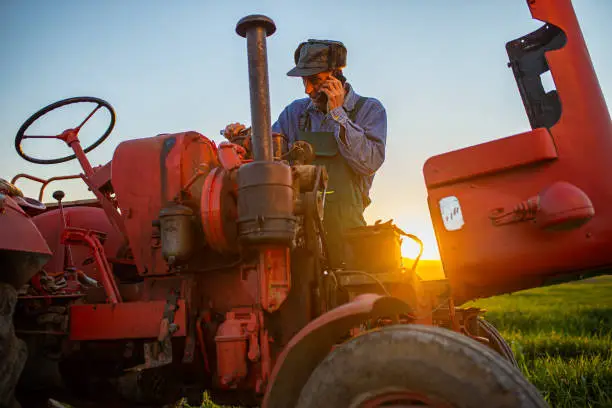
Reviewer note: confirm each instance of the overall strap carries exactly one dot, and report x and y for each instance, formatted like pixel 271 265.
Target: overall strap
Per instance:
pixel 304 121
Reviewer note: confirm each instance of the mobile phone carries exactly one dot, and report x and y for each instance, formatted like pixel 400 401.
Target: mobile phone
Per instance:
pixel 321 99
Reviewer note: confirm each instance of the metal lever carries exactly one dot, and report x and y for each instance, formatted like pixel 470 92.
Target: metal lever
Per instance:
pixel 59 196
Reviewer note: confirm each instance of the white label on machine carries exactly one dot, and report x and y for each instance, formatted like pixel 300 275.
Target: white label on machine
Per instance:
pixel 451 213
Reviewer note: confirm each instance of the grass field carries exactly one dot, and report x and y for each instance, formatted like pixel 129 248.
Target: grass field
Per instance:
pixel 562 338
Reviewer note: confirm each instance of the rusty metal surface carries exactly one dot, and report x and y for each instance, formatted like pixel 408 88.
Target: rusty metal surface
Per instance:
pixel 231 345
pixel 231 155
pixel 274 271
pixel 147 173
pixel 128 320
pixel 308 347
pixel 256 28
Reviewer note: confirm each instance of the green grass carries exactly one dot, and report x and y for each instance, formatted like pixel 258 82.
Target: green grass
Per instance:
pixel 562 337
pixel 206 403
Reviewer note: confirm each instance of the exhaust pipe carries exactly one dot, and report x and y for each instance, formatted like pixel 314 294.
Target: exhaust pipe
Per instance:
pixel 266 221
pixel 255 28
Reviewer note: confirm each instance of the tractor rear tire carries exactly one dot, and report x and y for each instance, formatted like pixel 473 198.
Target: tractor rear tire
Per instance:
pixel 13 351
pixel 496 341
pixel 412 365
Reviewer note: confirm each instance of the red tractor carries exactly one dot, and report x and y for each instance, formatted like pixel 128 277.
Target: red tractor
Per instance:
pixel 204 266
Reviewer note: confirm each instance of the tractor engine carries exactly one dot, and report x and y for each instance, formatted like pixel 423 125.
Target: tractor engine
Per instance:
pixel 224 229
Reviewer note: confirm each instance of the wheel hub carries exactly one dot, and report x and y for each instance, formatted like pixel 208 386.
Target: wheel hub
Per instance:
pixel 398 399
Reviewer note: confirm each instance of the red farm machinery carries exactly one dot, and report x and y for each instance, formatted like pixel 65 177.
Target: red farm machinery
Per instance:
pixel 204 266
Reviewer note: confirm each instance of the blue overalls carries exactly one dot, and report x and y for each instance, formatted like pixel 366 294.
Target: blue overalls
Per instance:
pixel 344 204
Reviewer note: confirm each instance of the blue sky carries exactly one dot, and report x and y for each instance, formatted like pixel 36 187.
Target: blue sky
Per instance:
pixel 439 67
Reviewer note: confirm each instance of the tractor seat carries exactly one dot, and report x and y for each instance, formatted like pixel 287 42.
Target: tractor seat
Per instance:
pixel 29 205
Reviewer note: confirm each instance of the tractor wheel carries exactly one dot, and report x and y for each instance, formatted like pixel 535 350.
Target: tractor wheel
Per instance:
pixel 496 341
pixel 414 365
pixel 13 351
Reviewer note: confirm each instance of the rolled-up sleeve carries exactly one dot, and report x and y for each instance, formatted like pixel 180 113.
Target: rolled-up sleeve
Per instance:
pixel 363 145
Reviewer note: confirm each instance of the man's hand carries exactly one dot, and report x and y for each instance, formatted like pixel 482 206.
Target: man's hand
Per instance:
pixel 334 90
pixel 232 130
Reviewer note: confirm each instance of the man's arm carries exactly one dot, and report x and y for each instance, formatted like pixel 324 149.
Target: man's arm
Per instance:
pixel 362 144
pixel 282 123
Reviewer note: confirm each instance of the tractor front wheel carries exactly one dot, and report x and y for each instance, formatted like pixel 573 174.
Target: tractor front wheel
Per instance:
pixel 414 365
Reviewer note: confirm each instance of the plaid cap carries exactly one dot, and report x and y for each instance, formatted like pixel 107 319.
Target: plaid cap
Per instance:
pixel 315 56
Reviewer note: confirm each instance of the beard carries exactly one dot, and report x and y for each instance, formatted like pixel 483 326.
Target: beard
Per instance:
pixel 320 101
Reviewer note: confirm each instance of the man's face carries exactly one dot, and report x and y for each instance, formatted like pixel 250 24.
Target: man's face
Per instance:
pixel 312 86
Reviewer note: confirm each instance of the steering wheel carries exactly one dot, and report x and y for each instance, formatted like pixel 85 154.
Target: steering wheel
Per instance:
pixel 68 135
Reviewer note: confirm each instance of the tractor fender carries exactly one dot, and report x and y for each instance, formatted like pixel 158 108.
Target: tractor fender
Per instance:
pixel 311 344
pixel 23 250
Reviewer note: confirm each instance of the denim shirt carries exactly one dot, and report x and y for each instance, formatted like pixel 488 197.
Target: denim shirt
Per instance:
pixel 364 149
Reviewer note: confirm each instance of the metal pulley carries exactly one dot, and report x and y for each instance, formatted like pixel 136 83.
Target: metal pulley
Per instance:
pixel 218 211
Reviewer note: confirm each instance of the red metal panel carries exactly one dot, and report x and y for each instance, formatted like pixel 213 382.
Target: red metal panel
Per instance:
pixel 23 250
pixel 128 320
pixel 481 259
pixel 147 173
pixel 19 233
pixel 488 158
pixel 101 175
pixel 94 218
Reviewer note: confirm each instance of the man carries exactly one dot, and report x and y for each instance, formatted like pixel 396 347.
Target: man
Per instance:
pixel 348 133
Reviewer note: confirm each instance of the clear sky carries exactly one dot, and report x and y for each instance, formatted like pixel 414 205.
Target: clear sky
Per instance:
pixel 438 66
